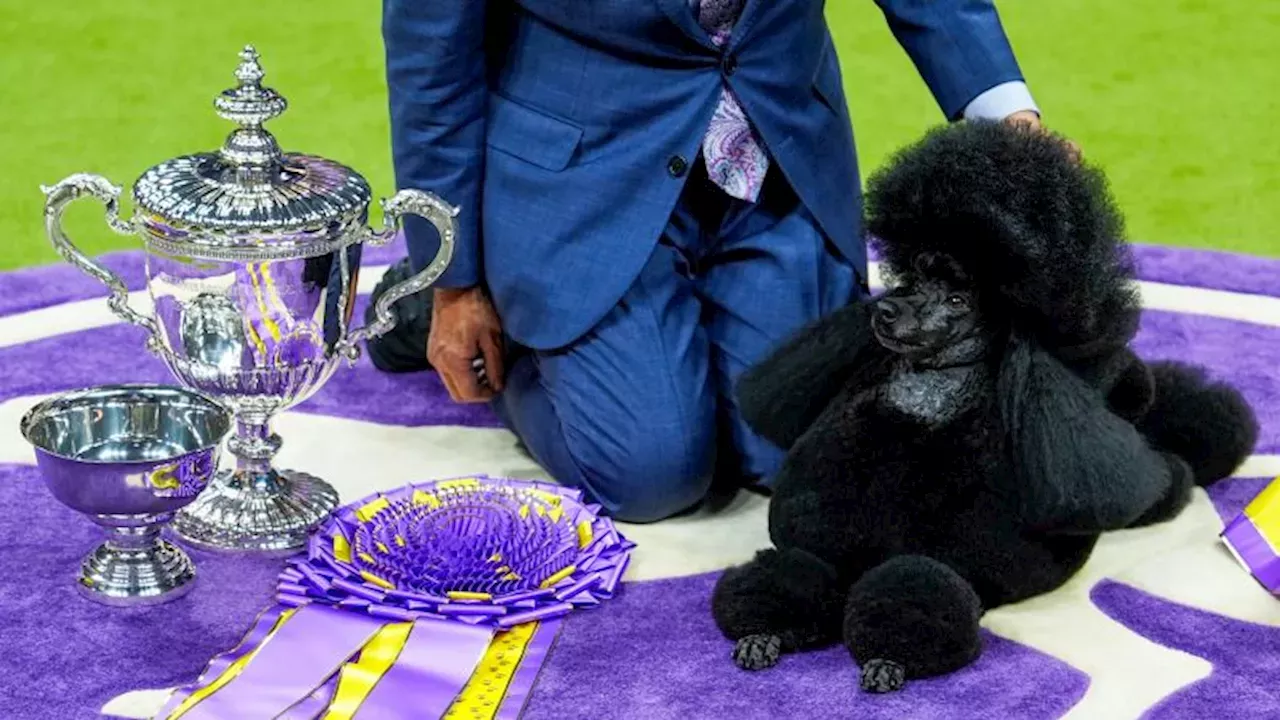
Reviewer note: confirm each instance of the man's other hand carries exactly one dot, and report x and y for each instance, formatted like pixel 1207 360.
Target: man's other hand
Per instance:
pixel 465 326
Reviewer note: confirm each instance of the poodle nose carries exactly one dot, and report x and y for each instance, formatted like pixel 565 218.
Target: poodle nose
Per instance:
pixel 889 309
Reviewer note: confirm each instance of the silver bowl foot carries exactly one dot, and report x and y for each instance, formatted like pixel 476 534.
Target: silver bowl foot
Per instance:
pixel 267 515
pixel 150 575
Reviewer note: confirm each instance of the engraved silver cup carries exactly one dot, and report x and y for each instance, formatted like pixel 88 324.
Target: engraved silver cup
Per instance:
pixel 129 457
pixel 253 257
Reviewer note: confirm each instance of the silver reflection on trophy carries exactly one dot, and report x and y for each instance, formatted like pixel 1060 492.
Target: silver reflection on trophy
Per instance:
pixel 253 257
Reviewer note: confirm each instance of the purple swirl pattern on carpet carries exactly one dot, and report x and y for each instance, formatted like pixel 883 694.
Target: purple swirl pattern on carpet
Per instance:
pixel 1245 656
pixel 661 631
pixel 66 667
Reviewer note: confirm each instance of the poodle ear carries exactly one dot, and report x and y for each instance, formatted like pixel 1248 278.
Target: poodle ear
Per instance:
pixel 781 396
pixel 1078 467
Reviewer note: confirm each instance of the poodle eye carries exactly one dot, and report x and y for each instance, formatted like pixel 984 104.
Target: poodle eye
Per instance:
pixel 957 301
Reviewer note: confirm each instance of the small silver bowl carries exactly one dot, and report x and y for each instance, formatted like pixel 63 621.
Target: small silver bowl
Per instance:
pixel 129 457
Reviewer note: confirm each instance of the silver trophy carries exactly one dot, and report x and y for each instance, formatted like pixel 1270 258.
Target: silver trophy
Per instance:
pixel 129 457
pixel 252 258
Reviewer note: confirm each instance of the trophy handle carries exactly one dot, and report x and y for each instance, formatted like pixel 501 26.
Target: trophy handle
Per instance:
pixel 440 214
pixel 57 197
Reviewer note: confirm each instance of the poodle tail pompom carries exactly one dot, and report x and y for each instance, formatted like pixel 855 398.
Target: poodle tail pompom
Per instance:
pixel 1208 424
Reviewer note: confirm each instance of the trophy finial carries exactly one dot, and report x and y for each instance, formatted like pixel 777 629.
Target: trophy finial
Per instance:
pixel 250 70
pixel 249 105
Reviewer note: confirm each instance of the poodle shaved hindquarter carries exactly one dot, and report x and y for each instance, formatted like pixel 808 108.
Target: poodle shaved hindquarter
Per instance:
pixel 962 442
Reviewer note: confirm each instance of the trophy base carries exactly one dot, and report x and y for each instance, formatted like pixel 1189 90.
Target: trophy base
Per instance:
pixel 131 576
pixel 272 516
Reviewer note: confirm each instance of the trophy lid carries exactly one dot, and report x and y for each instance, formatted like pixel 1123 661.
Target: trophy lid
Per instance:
pixel 249 200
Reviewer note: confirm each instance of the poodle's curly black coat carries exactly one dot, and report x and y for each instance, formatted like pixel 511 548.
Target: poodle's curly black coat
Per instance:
pixel 923 488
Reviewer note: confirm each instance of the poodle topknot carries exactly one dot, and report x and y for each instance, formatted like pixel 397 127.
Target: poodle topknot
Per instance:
pixel 1035 228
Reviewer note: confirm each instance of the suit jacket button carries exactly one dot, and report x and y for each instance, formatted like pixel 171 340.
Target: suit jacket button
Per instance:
pixel 729 65
pixel 677 166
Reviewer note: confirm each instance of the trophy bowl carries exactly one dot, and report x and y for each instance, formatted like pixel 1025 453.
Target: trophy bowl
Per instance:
pixel 252 262
pixel 129 457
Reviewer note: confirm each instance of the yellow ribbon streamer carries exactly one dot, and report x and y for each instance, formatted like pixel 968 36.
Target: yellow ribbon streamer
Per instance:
pixel 232 670
pixel 356 680
pixel 482 696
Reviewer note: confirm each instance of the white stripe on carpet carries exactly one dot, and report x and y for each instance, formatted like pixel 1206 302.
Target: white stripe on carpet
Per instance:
pixel 371 457
pixel 85 314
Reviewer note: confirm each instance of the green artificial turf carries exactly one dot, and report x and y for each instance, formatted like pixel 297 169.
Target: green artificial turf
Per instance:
pixel 1177 99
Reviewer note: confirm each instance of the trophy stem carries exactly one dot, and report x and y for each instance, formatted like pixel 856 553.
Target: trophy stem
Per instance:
pixel 256 507
pixel 135 567
pixel 254 446
pixel 133 539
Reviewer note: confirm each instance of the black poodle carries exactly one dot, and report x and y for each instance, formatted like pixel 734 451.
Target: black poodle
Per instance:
pixel 960 442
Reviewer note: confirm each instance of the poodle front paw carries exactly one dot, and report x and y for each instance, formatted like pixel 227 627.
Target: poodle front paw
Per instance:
pixel 883 676
pixel 757 652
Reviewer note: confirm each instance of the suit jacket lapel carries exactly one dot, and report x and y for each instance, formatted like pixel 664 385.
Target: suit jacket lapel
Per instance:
pixel 682 15
pixel 745 21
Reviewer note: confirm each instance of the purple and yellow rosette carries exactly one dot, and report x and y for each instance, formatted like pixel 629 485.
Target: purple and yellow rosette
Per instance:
pixel 1254 537
pixel 436 600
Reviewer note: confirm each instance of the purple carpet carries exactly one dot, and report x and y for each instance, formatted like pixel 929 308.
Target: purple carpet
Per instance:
pixel 653 652
pixel 1245 682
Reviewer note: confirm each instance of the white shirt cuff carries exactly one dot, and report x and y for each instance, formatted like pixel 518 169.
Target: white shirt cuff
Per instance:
pixel 1001 101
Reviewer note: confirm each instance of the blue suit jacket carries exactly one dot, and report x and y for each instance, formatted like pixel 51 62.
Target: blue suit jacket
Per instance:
pixel 561 126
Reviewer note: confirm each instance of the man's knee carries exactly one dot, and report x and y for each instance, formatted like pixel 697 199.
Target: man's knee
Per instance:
pixel 653 480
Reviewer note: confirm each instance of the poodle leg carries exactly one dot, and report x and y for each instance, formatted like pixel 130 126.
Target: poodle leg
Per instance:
pixel 782 601
pixel 911 617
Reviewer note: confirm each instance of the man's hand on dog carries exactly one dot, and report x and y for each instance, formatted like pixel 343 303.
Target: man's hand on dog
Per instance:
pixel 1031 119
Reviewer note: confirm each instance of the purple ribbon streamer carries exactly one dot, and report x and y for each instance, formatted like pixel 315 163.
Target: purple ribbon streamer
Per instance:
pixel 488 541
pixel 1254 550
pixel 266 620
pixel 433 668
pixel 301 657
pixel 314 705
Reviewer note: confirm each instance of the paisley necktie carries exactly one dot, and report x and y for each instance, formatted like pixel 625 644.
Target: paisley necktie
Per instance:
pixel 735 157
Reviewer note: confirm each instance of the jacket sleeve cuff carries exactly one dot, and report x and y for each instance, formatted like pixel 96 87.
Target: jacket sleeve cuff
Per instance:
pixel 1000 102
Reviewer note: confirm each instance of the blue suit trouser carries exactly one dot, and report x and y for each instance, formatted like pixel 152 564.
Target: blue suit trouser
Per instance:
pixel 640 412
